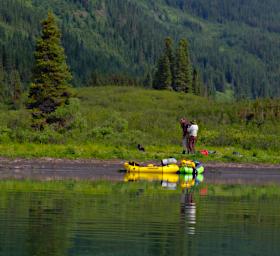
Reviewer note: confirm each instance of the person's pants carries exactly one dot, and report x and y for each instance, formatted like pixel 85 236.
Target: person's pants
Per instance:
pixel 191 144
pixel 185 143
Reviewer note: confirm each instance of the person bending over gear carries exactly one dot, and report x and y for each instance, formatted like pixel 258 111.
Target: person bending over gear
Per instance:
pixel 192 130
pixel 185 140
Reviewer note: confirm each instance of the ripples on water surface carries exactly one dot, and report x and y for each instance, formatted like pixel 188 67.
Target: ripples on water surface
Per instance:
pixel 48 223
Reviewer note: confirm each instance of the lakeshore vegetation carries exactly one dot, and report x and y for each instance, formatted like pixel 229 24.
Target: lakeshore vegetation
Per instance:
pixel 51 119
pixel 108 122
pixel 234 44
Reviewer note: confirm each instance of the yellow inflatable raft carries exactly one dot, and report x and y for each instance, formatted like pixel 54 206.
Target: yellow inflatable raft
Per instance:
pixel 150 168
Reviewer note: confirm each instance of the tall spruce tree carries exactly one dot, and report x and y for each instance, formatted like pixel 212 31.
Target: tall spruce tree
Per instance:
pixel 2 84
pixel 163 76
pixel 183 69
pixel 148 81
pixel 16 88
pixel 168 51
pixel 50 88
pixel 196 83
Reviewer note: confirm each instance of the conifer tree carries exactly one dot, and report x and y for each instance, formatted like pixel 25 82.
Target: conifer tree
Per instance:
pixel 95 79
pixel 50 88
pixel 183 69
pixel 16 88
pixel 148 81
pixel 196 83
pixel 210 90
pixel 168 51
pixel 165 69
pixel 163 76
pixel 2 84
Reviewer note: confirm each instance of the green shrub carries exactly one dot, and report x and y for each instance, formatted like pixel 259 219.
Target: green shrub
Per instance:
pixel 124 117
pixel 68 117
pixel 101 132
pixel 5 134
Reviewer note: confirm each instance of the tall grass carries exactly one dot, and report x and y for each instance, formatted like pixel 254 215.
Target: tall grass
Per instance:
pixel 115 119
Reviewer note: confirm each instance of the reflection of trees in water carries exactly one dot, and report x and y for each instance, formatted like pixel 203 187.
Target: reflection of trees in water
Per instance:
pixel 69 224
pixel 47 231
pixel 35 224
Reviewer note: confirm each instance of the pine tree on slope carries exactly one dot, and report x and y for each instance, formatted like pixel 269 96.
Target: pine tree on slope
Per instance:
pixel 168 52
pixel 163 76
pixel 51 76
pixel 183 69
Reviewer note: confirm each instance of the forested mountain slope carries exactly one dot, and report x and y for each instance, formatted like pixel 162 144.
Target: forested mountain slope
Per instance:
pixel 234 43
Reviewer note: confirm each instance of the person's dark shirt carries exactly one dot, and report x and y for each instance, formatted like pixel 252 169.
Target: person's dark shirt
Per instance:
pixel 185 127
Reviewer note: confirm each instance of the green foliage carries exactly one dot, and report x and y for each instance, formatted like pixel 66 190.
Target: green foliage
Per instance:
pixel 227 43
pixel 148 81
pixel 197 85
pixel 109 122
pixel 16 88
pixel 111 127
pixel 168 51
pixel 5 134
pixel 10 87
pixel 227 96
pixel 183 69
pixel 68 116
pixel 163 76
pixel 50 88
pixel 175 71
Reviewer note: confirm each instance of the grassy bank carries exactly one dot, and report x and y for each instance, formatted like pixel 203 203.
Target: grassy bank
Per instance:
pixel 111 122
pixel 99 151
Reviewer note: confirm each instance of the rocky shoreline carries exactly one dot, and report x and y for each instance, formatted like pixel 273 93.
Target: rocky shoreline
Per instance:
pixel 113 170
pixel 32 162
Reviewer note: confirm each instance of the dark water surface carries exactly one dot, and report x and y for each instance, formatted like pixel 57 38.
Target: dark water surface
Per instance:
pixel 184 223
pixel 44 223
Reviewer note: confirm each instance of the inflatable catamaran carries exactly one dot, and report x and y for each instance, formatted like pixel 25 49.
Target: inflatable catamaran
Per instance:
pixel 167 166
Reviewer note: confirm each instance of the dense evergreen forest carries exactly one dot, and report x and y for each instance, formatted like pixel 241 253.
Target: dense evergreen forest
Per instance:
pixel 234 44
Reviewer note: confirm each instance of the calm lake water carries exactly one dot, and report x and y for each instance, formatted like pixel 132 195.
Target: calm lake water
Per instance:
pixel 138 223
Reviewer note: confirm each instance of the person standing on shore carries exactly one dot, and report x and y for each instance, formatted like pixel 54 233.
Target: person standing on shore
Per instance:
pixel 185 140
pixel 192 131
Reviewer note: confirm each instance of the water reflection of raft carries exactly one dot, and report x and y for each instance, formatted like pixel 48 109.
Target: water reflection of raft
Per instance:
pixel 184 178
pixel 186 181
pixel 150 168
pixel 146 176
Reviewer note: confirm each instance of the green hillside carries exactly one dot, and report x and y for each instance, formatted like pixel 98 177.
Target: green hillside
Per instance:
pixel 235 44
pixel 114 120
